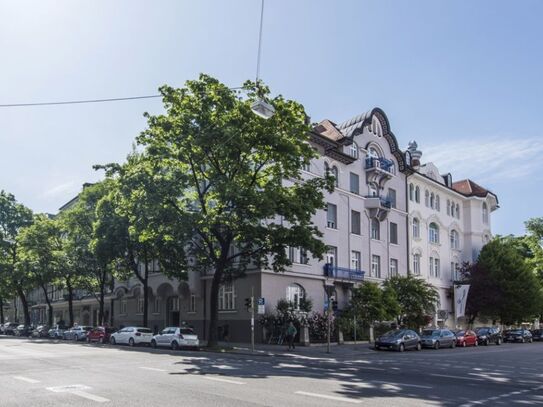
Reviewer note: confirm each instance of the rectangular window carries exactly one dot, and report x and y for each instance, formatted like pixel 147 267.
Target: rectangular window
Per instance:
pixel 392 197
pixel 292 254
pixel 375 266
pixel 393 268
pixel 375 229
pixel 122 310
pixel 331 256
pixel 416 264
pixel 393 233
pixel 192 303
pixel 437 271
pixel 227 297
pixel 355 183
pixel 304 259
pixel 355 222
pixel 156 306
pixel 355 260
pixel 141 305
pixel 431 267
pixel 331 216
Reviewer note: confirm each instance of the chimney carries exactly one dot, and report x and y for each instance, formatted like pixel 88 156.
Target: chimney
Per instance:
pixel 415 154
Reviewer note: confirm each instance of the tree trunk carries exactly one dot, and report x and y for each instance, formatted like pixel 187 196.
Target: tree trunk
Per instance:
pixel 145 283
pixel 2 311
pixel 214 308
pixel 70 301
pixel 49 305
pixel 24 303
pixel 101 305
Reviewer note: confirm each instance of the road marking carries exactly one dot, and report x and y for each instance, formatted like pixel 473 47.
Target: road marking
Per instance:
pixel 501 396
pixel 455 377
pixel 26 379
pixel 154 369
pixel 218 379
pixel 418 386
pixel 78 390
pixel 325 396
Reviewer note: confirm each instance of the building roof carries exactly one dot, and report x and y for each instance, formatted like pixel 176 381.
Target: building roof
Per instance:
pixel 348 127
pixel 470 188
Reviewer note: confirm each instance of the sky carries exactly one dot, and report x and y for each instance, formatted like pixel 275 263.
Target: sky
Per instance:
pixel 461 78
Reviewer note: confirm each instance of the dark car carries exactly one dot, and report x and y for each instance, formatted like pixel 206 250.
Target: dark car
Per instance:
pixel 10 328
pixel 537 334
pixel 400 340
pixel 41 331
pixel 436 338
pixel 518 335
pixel 487 335
pixel 24 330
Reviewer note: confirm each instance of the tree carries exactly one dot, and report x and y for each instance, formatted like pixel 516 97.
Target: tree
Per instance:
pixel 93 254
pixel 40 255
pixel 417 299
pixel 518 294
pixel 234 181
pixel 13 217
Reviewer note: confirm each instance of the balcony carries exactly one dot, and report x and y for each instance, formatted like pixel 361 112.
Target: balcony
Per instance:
pixel 378 170
pixel 378 207
pixel 343 273
pixel 379 163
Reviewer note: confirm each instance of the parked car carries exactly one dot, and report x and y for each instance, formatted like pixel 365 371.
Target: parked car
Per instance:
pixel 519 335
pixel 438 338
pixel 175 338
pixel 23 330
pixel 100 334
pixel 486 335
pixel 41 331
pixel 132 336
pixel 57 332
pixel 77 333
pixel 10 327
pixel 400 340
pixel 466 338
pixel 537 334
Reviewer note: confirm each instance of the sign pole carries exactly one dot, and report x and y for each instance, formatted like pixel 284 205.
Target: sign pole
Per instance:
pixel 252 318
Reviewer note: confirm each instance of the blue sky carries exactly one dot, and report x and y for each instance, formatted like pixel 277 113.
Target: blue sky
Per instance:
pixel 462 78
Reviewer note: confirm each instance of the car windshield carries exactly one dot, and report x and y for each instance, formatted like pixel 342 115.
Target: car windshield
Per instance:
pixel 516 331
pixel 482 331
pixel 186 331
pixel 144 330
pixel 430 332
pixel 460 333
pixel 394 333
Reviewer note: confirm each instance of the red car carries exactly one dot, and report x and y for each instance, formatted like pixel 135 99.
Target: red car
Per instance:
pixel 100 334
pixel 466 338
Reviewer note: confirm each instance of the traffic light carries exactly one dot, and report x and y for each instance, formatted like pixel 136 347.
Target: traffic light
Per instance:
pixel 249 303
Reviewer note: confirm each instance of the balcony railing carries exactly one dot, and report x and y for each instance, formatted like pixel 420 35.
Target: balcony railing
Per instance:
pixel 378 201
pixel 343 273
pixel 380 162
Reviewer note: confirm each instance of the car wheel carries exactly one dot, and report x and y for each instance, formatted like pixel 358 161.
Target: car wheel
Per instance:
pixel 499 341
pixel 419 346
pixel 174 345
pixel 401 348
pixel 376 347
pixel 436 345
pixel 486 342
pixel 131 342
pixel 522 340
pixel 153 344
pixel 531 340
pixel 112 340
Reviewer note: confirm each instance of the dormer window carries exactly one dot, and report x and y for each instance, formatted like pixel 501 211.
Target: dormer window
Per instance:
pixel 353 150
pixel 485 213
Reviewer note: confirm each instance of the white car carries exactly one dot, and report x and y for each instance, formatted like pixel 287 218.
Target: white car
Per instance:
pixel 132 335
pixel 175 338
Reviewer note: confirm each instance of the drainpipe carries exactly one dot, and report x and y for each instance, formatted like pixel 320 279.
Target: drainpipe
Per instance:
pixel 407 219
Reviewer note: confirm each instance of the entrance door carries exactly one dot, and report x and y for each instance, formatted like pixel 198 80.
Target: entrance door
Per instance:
pixel 173 311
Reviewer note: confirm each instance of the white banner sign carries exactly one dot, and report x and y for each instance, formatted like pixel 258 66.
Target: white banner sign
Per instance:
pixel 460 299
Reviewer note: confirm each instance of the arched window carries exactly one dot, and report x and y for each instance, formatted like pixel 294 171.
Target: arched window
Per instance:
pixel 437 203
pixel 373 152
pixel 416 264
pixel 455 239
pixel 485 213
pixel 452 209
pixel 417 194
pixel 411 192
pixel 295 294
pixel 432 200
pixel 457 211
pixel 433 234
pixel 335 174
pixel 353 150
pixel 416 228
pixel 375 229
pixel 448 207
pixel 427 198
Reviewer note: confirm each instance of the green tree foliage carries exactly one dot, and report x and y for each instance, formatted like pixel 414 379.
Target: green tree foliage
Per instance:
pixel 518 295
pixel 370 303
pixel 234 181
pixel 417 299
pixel 41 254
pixel 13 217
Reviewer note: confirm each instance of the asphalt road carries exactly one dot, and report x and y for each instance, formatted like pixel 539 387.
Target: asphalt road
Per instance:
pixel 43 373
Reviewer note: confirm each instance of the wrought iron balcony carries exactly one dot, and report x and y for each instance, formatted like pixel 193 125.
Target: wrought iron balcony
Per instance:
pixel 378 163
pixel 343 273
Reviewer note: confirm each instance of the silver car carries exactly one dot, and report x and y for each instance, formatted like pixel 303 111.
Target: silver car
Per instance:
pixel 77 333
pixel 438 338
pixel 175 338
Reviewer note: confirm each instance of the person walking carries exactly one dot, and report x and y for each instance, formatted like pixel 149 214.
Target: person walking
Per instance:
pixel 291 335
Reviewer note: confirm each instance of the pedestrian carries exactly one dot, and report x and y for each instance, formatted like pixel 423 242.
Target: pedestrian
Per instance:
pixel 291 335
